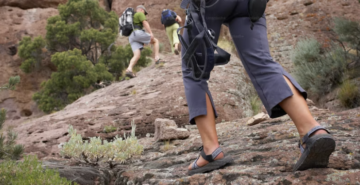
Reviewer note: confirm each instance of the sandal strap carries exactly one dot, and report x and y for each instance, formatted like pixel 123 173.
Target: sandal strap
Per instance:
pixel 195 166
pixel 307 136
pixel 212 156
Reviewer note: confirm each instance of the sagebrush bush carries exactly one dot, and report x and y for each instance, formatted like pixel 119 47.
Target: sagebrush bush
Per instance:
pixel 317 69
pixel 349 94
pixel 96 150
pixel 29 172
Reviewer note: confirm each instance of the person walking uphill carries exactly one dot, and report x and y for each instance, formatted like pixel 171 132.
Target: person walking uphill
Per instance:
pixel 171 22
pixel 278 91
pixel 139 37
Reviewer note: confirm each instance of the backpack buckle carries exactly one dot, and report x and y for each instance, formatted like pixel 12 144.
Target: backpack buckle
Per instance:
pixel 211 34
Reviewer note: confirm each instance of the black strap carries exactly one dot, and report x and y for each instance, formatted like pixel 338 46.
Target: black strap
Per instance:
pixel 203 41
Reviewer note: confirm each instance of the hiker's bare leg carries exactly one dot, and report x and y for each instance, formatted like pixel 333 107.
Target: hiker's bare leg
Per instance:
pixel 207 130
pixel 296 107
pixel 134 60
pixel 155 43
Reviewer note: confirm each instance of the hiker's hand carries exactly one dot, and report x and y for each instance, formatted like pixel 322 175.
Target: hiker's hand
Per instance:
pixel 151 36
pixel 178 19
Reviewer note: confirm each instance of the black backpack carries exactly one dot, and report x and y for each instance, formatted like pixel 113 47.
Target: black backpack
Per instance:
pixel 126 22
pixel 167 18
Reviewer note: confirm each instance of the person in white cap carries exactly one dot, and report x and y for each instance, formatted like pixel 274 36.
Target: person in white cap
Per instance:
pixel 141 35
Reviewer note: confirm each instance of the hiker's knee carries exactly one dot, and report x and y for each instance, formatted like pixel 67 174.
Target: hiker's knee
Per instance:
pixel 154 41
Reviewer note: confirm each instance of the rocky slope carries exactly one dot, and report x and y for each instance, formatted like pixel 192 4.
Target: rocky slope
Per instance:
pixel 263 154
pixel 157 92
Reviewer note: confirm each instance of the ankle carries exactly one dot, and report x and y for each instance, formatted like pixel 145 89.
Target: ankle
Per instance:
pixel 211 148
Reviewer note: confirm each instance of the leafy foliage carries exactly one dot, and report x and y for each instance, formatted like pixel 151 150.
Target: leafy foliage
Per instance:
pixel 349 95
pixel 82 24
pixel 119 59
pixel 32 52
pixel 317 69
pixel 13 81
pixel 96 150
pixel 75 74
pixel 29 172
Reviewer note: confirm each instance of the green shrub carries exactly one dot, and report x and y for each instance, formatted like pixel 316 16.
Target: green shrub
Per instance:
pixel 317 69
pixel 256 104
pixel 348 31
pixel 8 147
pixel 29 172
pixel 32 52
pixel 349 95
pixel 13 81
pixel 75 74
pixel 109 129
pixel 96 150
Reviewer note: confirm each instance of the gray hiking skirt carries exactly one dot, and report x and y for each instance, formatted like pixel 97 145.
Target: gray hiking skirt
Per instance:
pixel 252 46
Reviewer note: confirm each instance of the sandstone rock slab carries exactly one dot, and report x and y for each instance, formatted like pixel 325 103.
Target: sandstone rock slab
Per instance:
pixel 258 118
pixel 166 129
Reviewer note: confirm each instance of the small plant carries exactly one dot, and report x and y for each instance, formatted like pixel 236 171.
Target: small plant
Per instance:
pixel 256 104
pixel 133 92
pixel 29 172
pixel 167 146
pixel 8 148
pixel 349 95
pixel 13 81
pixel 96 150
pixel 109 129
pixel 160 65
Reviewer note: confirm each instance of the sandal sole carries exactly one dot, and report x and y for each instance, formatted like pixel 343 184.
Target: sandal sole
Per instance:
pixel 212 166
pixel 317 152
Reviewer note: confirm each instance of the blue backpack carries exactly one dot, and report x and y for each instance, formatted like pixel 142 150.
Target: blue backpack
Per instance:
pixel 167 18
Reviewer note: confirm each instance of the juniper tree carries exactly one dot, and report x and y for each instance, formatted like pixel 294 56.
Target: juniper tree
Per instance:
pixel 33 53
pixel 84 25
pixel 75 74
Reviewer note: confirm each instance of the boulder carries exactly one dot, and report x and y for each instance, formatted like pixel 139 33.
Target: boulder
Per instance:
pixel 258 118
pixel 166 129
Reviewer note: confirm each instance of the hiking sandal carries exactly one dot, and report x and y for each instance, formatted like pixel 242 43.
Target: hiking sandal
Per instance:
pixel 212 165
pixel 317 151
pixel 158 61
pixel 130 74
pixel 176 51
